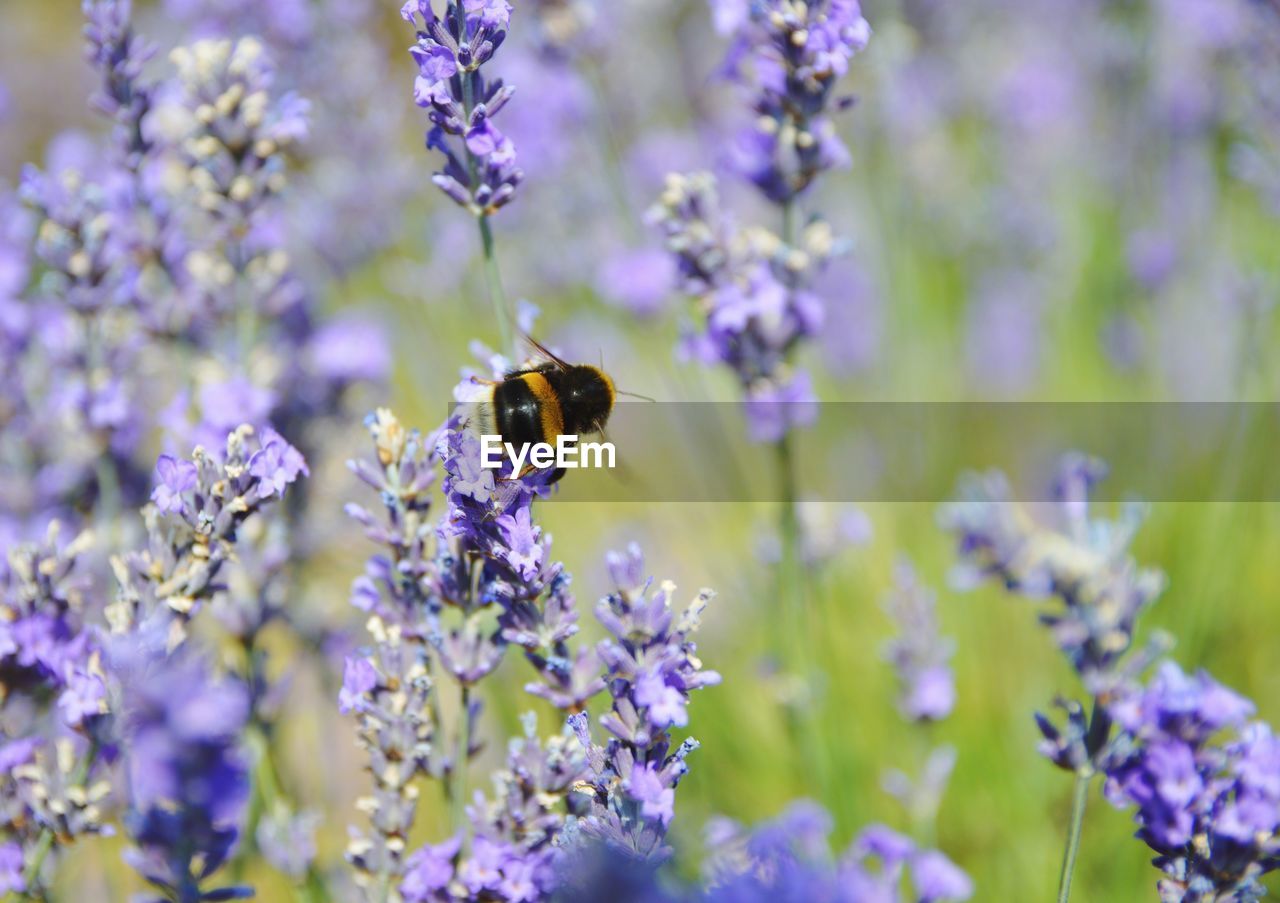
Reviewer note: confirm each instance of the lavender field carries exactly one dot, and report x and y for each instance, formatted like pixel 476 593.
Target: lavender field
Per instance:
pixel 936 343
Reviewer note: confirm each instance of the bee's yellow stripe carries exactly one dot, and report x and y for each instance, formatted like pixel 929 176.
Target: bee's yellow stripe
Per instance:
pixel 548 405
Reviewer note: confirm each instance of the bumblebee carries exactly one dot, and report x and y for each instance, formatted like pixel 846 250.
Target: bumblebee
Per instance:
pixel 540 403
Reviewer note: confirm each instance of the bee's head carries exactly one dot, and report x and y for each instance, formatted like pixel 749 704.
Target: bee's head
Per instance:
pixel 588 399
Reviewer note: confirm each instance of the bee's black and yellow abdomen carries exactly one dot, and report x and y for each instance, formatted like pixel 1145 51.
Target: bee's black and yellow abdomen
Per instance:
pixel 527 410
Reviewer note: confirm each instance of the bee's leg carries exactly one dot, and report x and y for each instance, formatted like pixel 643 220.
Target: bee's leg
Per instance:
pixel 556 476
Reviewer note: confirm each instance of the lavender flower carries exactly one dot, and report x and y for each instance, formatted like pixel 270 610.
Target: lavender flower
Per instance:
pixel 515 851
pixel 789 56
pixel 651 668
pixel 791 855
pixel 192 527
pixel 751 289
pixel 390 692
pixel 787 858
pixel 45 641
pixel 329 52
pixel 919 654
pixel 187 779
pixel 49 792
pixel 85 369
pixel 429 595
pixel 491 559
pixel 119 54
pixel 1068 555
pixel 388 687
pixel 480 171
pixel 235 138
pixel 1209 808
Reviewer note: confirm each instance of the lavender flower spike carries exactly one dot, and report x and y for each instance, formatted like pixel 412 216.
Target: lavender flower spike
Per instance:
pixel 752 293
pixel 120 55
pixel 387 686
pixel 1209 808
pixel 789 55
pixel 919 653
pixel 188 782
pixel 197 508
pixel 1068 555
pixel 480 171
pixel 232 135
pixel 651 668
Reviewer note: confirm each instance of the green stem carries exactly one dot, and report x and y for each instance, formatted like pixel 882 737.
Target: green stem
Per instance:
pixel 613 156
pixel 1079 797
pixel 462 752
pixel 497 296
pixel 789 222
pixel 791 588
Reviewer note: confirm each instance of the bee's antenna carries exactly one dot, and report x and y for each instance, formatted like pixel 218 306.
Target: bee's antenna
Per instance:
pixel 636 395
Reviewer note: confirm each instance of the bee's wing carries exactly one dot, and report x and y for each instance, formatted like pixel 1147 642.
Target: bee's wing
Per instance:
pixel 546 352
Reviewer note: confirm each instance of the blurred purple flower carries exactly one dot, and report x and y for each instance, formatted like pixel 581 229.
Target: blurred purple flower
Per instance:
pixel 641 281
pixel 187 779
pixel 656 798
pixel 1209 808
pixel 277 465
pixel 359 678
pixel 350 349
pixel 919 653
pixel 429 871
pixel 12 863
pixel 173 479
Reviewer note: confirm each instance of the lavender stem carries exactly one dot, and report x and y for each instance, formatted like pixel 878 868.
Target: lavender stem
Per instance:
pixel 458 796
pixel 493 279
pixel 1079 797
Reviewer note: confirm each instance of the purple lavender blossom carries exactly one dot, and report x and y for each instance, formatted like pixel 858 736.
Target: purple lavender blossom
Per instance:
pixel 11 863
pixel 49 790
pixel 651 668
pixel 173 479
pixel 45 640
pixel 187 779
pixel 789 57
pixel 919 653
pixel 480 172
pixel 430 592
pixel 277 465
pixel 1063 553
pixel 119 54
pixel 236 156
pixel 331 53
pixel 786 858
pixel 1208 806
pixel 192 526
pixel 752 288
